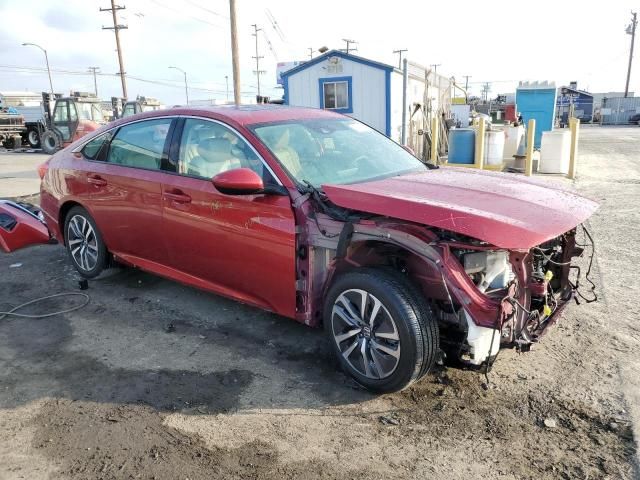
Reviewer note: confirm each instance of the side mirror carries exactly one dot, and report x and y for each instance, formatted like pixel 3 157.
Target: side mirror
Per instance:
pixel 239 181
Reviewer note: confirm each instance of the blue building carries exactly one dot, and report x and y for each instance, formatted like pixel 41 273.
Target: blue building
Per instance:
pixel 582 104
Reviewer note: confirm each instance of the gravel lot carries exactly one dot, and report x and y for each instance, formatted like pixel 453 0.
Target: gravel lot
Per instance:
pixel 156 380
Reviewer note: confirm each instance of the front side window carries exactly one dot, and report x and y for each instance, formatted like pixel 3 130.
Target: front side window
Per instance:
pixel 335 151
pixel 140 144
pixel 96 148
pixel 335 94
pixel 61 114
pixel 208 148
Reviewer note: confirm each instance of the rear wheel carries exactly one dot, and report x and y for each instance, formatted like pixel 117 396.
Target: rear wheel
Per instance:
pixel 84 243
pixel 381 329
pixel 33 138
pixel 50 142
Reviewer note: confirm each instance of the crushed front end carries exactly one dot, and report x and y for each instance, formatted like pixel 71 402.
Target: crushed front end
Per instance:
pixel 530 289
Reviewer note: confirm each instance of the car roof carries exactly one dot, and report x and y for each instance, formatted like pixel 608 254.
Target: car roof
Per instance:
pixel 245 114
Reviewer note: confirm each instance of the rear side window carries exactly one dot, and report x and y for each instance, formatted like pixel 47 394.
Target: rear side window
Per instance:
pixel 96 149
pixel 140 144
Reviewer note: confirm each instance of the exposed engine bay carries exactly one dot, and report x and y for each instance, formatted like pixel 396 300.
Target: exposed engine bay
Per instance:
pixel 483 297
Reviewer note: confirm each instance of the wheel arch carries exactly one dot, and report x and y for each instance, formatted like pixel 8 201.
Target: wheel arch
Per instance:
pixel 62 215
pixel 421 273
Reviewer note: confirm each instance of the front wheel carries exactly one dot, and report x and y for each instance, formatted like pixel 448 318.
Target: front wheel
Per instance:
pixel 85 246
pixel 50 142
pixel 381 329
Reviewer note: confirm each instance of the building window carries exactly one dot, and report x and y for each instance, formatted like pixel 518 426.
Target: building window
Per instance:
pixel 335 94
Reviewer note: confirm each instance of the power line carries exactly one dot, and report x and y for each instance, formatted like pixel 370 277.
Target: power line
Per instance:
pixel 207 9
pixel 182 13
pixel 116 29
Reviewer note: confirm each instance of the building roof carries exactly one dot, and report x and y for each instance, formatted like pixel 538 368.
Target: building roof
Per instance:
pixel 337 53
pixel 576 90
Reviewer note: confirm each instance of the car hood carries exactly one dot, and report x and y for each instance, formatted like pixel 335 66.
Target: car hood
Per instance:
pixel 506 210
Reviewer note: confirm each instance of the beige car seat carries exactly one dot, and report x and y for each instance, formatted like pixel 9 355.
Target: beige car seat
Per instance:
pixel 214 156
pixel 287 155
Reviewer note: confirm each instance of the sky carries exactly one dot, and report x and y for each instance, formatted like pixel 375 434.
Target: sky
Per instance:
pixel 500 42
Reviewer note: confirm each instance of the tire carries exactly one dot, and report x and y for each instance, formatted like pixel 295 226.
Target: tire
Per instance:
pixel 50 142
pixel 402 342
pixel 33 138
pixel 84 243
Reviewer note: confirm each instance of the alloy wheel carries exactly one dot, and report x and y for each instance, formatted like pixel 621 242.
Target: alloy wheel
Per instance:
pixel 83 243
pixel 365 333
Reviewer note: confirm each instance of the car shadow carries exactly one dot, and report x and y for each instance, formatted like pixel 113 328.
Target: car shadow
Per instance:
pixel 149 341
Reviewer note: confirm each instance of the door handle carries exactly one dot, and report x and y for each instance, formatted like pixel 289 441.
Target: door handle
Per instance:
pixel 177 197
pixel 96 180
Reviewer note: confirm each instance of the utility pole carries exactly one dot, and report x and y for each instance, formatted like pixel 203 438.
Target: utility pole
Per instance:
pixel 631 30
pixel 485 91
pixel 95 80
pixel 235 58
pixel 349 42
pixel 311 52
pixel 226 79
pixel 435 69
pixel 257 71
pixel 466 82
pixel 399 52
pixel 116 29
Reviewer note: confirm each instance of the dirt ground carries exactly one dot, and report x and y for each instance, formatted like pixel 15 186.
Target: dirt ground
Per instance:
pixel 156 380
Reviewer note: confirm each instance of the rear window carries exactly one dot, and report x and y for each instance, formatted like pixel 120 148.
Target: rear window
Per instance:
pixel 140 144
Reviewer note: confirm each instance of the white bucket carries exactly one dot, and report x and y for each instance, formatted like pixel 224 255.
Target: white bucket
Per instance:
pixel 515 137
pixel 493 147
pixel 555 151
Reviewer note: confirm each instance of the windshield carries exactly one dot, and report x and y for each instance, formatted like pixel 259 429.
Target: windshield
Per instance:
pixel 90 111
pixel 335 151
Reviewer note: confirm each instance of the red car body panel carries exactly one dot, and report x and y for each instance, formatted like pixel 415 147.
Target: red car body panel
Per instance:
pixel 25 229
pixel 504 210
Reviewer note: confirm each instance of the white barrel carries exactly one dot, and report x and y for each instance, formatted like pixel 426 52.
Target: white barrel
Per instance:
pixel 515 137
pixel 555 151
pixel 493 147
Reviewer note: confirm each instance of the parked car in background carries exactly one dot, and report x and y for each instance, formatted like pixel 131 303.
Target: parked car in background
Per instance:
pixel 635 119
pixel 317 217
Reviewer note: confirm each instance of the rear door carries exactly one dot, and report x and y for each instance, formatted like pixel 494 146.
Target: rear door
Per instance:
pixel 239 245
pixel 125 193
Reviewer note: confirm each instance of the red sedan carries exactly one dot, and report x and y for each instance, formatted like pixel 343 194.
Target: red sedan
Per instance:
pixel 317 217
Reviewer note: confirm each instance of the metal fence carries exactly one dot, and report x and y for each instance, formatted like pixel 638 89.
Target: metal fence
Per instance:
pixel 618 110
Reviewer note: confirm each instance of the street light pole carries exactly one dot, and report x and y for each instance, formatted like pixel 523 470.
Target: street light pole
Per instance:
pixel 46 59
pixel 186 86
pixel 235 54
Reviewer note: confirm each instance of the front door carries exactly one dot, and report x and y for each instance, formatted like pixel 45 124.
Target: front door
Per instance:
pixel 65 119
pixel 125 192
pixel 242 246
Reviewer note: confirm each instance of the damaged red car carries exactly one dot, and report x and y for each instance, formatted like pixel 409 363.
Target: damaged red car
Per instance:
pixel 317 217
